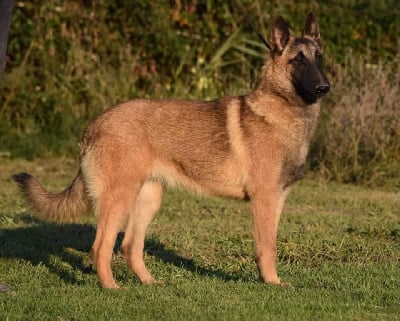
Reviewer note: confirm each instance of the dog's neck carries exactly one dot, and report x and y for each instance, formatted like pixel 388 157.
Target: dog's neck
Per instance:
pixel 296 121
pixel 278 105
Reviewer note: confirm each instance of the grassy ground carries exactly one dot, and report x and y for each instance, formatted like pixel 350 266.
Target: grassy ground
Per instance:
pixel 339 247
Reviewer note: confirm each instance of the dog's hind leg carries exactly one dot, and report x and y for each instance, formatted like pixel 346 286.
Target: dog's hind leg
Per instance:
pixel 113 211
pixel 147 204
pixel 114 178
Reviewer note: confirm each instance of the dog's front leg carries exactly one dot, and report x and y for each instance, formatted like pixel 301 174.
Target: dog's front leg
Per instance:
pixel 267 207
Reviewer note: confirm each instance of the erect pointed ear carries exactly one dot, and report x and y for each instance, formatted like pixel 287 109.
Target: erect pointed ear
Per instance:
pixel 311 29
pixel 279 34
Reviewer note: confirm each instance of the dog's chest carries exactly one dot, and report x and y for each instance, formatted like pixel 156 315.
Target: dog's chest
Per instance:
pixel 294 165
pixel 298 142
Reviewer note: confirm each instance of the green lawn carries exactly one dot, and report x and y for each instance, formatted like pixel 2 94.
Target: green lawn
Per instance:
pixel 339 247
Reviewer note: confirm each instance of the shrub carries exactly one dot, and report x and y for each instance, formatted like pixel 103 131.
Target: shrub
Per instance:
pixel 359 137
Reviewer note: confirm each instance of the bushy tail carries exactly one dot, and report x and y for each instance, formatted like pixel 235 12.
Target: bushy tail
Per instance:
pixel 66 206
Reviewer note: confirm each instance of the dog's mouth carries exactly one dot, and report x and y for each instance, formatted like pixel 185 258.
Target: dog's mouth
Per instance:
pixel 311 97
pixel 308 97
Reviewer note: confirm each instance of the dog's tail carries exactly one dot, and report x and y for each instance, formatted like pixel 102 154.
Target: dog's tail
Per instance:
pixel 66 206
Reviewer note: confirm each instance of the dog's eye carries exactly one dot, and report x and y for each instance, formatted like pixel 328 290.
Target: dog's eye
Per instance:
pixel 299 58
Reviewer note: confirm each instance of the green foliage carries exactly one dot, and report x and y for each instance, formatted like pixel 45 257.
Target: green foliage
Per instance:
pixel 339 247
pixel 69 60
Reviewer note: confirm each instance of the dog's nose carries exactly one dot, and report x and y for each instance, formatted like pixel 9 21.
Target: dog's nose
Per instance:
pixel 322 89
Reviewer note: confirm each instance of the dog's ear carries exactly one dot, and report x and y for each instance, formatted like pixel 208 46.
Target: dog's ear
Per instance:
pixel 311 29
pixel 279 34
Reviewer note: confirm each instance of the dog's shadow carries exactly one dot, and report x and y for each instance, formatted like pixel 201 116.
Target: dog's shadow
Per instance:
pixel 48 243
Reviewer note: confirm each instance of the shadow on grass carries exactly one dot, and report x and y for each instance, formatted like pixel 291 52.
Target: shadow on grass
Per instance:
pixel 65 249
pixel 157 249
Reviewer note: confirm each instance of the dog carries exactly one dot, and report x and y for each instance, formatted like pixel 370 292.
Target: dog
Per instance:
pixel 246 147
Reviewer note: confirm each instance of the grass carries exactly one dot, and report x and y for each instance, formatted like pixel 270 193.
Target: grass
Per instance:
pixel 339 247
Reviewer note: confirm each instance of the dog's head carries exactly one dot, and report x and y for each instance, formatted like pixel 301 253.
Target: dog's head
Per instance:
pixel 300 58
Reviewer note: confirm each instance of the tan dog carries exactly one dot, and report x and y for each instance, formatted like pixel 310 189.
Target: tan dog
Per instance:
pixel 251 146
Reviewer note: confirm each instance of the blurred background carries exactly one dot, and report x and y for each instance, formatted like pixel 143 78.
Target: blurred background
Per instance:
pixel 69 60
